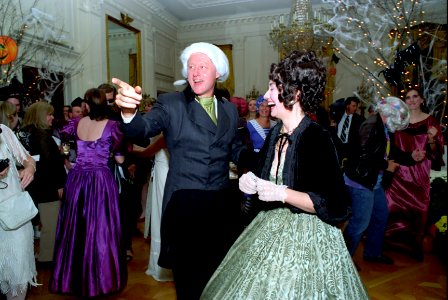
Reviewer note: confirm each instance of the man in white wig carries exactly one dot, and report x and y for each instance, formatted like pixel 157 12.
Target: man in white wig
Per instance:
pixel 200 214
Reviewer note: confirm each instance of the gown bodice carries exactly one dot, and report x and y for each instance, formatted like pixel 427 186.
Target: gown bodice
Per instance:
pixel 96 154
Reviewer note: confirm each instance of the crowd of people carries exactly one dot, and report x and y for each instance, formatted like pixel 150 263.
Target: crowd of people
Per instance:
pixel 313 187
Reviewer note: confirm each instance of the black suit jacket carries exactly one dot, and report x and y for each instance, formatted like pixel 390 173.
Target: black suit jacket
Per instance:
pixel 50 172
pixel 365 165
pixel 348 149
pixel 200 151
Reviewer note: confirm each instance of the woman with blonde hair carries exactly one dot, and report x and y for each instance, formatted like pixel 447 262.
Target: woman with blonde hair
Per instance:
pixel 47 187
pixel 8 114
pixel 18 268
pixel 252 105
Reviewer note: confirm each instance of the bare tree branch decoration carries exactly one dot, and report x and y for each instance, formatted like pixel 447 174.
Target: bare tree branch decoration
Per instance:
pixel 402 47
pixel 40 44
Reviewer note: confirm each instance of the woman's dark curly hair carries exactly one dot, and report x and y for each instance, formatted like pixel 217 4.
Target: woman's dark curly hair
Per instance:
pixel 97 102
pixel 300 71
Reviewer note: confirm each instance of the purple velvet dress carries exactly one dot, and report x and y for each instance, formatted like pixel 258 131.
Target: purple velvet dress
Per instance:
pixel 88 257
pixel 408 196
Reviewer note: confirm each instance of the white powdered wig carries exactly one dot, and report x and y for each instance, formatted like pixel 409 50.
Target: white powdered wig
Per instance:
pixel 218 58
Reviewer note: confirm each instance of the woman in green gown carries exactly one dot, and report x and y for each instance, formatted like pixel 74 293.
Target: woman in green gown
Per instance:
pixel 293 249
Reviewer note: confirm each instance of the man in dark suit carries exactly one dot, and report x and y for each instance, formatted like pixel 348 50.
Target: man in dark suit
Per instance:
pixel 200 216
pixel 346 128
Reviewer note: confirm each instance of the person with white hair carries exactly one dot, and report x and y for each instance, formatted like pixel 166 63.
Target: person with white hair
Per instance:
pixel 200 215
pixel 369 171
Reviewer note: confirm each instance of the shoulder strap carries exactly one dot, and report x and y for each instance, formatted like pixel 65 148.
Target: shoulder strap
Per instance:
pixel 258 128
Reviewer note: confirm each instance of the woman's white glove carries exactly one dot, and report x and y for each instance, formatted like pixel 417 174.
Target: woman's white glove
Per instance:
pixel 248 183
pixel 269 191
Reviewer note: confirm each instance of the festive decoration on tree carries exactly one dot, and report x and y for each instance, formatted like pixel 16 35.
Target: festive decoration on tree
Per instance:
pixel 365 92
pixel 8 50
pixel 405 51
pixel 39 45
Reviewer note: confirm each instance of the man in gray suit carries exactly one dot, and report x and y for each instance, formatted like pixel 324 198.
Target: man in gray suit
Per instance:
pixel 200 214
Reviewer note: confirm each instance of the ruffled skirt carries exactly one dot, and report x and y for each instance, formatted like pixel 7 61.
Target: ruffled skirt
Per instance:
pixel 17 264
pixel 282 255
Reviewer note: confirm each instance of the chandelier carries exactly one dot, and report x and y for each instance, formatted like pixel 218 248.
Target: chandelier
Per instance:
pixel 298 33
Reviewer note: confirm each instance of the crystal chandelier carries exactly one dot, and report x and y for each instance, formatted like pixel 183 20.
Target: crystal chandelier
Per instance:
pixel 298 33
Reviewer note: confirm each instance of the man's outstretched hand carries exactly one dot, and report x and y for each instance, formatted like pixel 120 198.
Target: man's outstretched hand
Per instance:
pixel 127 97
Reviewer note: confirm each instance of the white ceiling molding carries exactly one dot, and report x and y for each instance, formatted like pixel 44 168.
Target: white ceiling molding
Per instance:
pixel 156 9
pixel 196 10
pixel 227 22
pixel 211 3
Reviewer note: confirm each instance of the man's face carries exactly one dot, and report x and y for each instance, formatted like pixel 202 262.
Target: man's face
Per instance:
pixel 110 98
pixel 351 108
pixel 202 74
pixel 76 112
pixel 16 102
pixel 66 111
pixel 84 111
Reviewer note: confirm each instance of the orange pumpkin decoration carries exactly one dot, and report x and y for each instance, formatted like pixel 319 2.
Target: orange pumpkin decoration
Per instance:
pixel 332 71
pixel 8 50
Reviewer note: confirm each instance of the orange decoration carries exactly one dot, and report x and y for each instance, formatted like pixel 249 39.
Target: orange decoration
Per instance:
pixel 332 71
pixel 8 50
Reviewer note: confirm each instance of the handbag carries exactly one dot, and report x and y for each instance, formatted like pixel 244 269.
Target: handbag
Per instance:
pixel 16 210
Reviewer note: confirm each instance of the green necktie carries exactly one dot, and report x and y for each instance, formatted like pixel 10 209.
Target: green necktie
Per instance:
pixel 208 103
